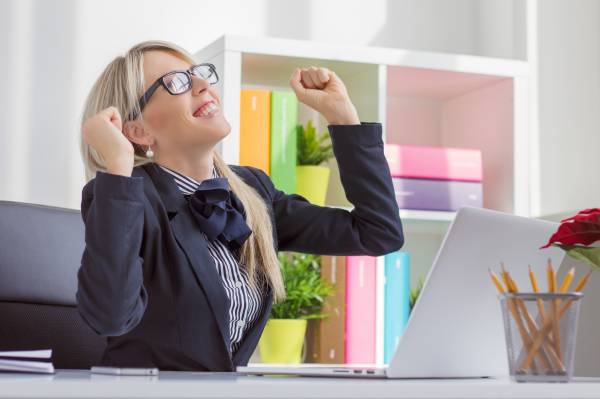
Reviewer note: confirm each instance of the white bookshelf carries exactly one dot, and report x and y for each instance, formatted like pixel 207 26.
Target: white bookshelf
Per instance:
pixel 421 98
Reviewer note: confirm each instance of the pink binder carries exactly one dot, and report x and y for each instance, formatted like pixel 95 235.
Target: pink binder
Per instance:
pixel 434 162
pixel 360 309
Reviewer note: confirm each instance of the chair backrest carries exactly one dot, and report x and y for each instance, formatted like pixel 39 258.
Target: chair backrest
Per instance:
pixel 40 254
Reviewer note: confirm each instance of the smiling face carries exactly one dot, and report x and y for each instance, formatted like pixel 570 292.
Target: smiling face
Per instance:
pixel 175 124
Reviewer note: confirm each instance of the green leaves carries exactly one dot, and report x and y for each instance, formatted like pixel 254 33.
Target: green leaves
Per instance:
pixel 588 255
pixel 306 290
pixel 415 291
pixel 312 149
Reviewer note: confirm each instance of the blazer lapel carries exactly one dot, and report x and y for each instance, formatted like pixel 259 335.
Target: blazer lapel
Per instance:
pixel 194 246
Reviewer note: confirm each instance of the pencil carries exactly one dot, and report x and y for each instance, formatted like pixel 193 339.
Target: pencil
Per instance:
pixel 535 287
pixel 552 287
pixel 533 329
pixel 527 342
pixel 539 339
pixel 519 311
pixel 564 287
pixel 540 303
pixel 551 277
pixel 505 277
pixel 496 281
pixel 581 284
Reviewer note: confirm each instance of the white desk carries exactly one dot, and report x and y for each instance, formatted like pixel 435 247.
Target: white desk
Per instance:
pixel 174 384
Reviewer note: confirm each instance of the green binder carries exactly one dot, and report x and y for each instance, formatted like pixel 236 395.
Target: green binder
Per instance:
pixel 284 117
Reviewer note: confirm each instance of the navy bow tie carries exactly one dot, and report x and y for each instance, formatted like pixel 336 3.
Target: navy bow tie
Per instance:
pixel 219 213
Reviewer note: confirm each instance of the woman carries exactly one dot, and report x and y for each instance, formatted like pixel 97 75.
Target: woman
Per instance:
pixel 180 266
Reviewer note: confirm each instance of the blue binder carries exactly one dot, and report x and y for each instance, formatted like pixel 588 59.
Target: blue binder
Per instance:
pixel 396 303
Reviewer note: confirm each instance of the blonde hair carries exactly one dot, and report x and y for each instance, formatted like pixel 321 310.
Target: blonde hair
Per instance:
pixel 121 85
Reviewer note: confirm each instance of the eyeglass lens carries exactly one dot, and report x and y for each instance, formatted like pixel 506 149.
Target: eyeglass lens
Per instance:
pixel 180 82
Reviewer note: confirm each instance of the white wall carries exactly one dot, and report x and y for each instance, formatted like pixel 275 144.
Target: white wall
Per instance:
pixel 53 50
pixel 569 100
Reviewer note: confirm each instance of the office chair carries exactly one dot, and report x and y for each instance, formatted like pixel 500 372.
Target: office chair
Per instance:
pixel 40 253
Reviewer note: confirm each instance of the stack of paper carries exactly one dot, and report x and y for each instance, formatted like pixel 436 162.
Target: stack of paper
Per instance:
pixel 33 361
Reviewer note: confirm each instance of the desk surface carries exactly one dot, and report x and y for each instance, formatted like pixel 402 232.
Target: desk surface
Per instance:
pixel 176 384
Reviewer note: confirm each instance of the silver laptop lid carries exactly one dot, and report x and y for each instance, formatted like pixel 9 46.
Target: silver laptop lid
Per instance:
pixel 456 328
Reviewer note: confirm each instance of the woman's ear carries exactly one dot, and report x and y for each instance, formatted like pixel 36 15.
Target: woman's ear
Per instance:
pixel 135 132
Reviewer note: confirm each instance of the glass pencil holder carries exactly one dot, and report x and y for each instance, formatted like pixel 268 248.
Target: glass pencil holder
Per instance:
pixel 540 331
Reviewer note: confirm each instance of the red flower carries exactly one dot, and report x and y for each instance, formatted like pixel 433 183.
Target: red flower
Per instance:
pixel 583 228
pixel 587 215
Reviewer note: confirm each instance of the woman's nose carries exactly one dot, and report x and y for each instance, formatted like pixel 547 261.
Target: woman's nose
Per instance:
pixel 199 85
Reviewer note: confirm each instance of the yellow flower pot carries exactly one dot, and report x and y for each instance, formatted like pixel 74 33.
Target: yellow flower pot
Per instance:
pixel 282 341
pixel 311 182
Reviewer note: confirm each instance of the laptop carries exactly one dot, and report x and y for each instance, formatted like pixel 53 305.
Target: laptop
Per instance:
pixel 455 329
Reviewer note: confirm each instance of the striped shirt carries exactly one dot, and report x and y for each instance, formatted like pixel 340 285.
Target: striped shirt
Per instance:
pixel 245 302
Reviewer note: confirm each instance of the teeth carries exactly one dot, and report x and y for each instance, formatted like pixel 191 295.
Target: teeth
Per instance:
pixel 209 109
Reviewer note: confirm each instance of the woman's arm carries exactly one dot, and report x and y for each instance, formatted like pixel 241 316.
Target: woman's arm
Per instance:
pixel 372 228
pixel 111 297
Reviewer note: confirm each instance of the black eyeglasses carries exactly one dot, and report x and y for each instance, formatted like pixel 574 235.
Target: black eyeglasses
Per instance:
pixel 178 82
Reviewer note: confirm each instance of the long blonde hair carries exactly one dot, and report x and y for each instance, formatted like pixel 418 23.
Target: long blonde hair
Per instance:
pixel 121 85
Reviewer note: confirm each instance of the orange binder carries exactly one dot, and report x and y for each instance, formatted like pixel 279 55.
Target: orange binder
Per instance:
pixel 255 116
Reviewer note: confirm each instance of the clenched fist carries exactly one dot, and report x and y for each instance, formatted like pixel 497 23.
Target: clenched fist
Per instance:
pixel 103 132
pixel 322 90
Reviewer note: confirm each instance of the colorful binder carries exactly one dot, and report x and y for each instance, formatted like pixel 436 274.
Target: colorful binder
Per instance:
pixel 421 162
pixel 361 288
pixel 325 343
pixel 284 117
pixel 380 311
pixel 255 125
pixel 439 195
pixel 397 300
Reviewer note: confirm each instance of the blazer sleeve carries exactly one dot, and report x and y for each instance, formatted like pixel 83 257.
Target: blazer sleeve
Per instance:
pixel 111 297
pixel 373 227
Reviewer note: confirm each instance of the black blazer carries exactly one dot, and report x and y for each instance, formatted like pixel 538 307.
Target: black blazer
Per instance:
pixel 148 283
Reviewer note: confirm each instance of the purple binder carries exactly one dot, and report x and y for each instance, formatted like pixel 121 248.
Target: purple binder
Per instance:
pixel 438 195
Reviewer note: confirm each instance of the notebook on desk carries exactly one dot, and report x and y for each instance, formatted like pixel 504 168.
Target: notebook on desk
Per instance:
pixel 32 361
pixel 455 329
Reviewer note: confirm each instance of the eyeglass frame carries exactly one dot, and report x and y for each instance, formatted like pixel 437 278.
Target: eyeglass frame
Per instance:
pixel 143 100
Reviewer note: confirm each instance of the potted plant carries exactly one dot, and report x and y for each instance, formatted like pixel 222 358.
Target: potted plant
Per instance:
pixel 311 176
pixel 415 292
pixel 283 336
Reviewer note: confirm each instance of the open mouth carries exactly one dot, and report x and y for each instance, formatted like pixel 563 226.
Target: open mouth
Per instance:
pixel 207 110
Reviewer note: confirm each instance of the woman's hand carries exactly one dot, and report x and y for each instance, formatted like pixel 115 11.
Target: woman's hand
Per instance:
pixel 103 132
pixel 322 90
